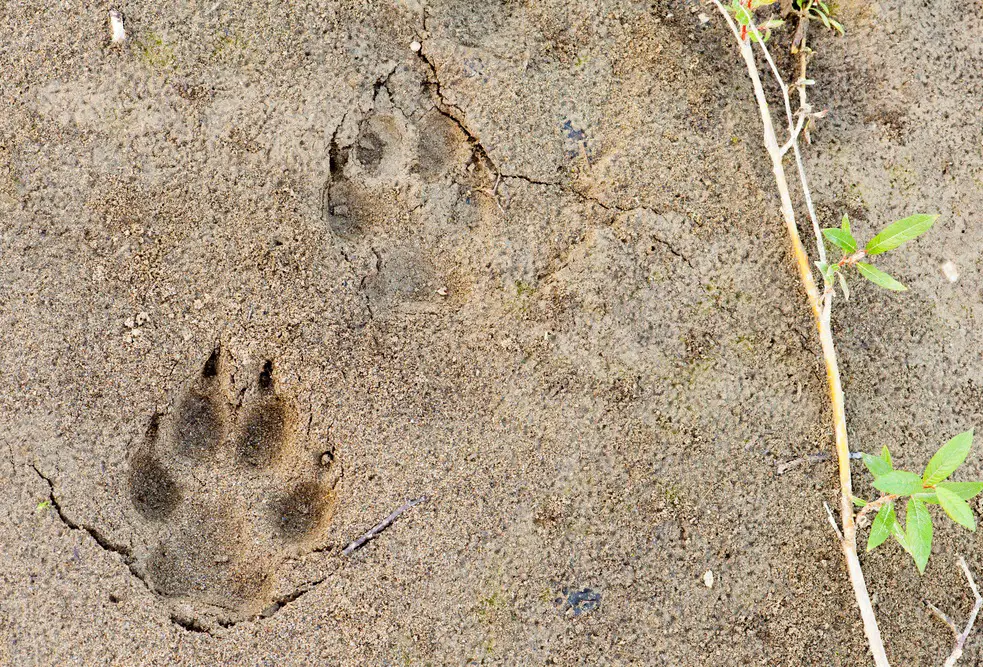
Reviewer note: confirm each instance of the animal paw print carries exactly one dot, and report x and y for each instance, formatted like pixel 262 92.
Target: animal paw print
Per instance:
pixel 226 491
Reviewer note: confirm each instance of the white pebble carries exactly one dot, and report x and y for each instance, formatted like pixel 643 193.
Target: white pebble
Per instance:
pixel 116 23
pixel 950 271
pixel 708 578
pixel 704 19
pixel 415 46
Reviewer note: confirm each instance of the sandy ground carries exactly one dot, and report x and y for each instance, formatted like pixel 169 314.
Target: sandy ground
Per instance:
pixel 268 272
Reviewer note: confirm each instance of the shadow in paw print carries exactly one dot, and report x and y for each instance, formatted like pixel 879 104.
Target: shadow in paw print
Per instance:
pixel 261 438
pixel 378 143
pixel 200 415
pixel 224 492
pixel 153 490
pixel 298 512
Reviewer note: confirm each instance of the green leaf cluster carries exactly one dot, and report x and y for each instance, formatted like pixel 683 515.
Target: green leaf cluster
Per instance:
pixel 929 488
pixel 816 9
pixel 893 236
pixel 744 17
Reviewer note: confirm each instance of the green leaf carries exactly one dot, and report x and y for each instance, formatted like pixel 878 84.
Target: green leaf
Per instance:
pixel 876 465
pixel 841 239
pixel 949 457
pixel 956 508
pixel 859 502
pixel 898 533
pixel 899 232
pixel 965 490
pixel 827 271
pixel 886 455
pixel 843 285
pixel 880 529
pixel 899 482
pixel 918 532
pixel 880 278
pixel 927 497
pixel 845 223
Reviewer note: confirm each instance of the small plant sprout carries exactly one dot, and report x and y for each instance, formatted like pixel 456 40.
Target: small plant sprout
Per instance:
pixel 811 10
pixel 741 10
pixel 43 506
pixel 932 487
pixel 892 237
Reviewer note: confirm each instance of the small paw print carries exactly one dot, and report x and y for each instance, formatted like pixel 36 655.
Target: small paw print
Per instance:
pixel 225 490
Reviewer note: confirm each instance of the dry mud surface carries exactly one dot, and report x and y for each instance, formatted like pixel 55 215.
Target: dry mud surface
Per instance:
pixel 268 273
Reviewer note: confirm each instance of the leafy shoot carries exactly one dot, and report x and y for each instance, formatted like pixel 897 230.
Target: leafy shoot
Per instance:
pixel 930 488
pixel 893 236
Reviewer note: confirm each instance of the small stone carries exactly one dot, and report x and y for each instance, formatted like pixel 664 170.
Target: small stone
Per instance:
pixel 128 323
pixel 415 46
pixel 708 578
pixel 704 19
pixel 198 304
pixel 442 291
pixel 950 271
pixel 142 317
pixel 116 24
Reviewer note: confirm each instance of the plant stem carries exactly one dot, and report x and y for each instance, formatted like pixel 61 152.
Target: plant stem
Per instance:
pixel 821 312
pixel 876 505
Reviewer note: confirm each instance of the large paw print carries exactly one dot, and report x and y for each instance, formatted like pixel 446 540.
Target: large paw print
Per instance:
pixel 226 490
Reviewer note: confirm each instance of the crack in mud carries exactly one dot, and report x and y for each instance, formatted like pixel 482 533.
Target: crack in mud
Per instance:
pixel 672 250
pixel 190 625
pixel 104 542
pixel 456 114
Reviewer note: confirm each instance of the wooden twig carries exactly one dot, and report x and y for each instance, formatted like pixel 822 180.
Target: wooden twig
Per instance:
pixel 821 310
pixel 381 526
pixel 875 505
pixel 783 468
pixel 832 521
pixel 961 637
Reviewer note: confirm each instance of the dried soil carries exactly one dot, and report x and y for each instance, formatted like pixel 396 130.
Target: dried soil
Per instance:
pixel 533 270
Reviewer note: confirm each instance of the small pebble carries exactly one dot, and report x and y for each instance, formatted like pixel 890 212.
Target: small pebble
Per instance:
pixel 704 19
pixel 950 271
pixel 415 46
pixel 708 578
pixel 116 23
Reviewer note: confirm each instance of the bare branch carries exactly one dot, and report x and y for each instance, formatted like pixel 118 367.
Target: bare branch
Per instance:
pixel 820 307
pixel 381 526
pixel 961 637
pixel 793 140
pixel 875 505
pixel 832 521
pixel 945 619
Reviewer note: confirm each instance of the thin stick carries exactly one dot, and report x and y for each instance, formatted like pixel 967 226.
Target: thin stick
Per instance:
pixel 793 134
pixel 381 526
pixel 875 505
pixel 821 313
pixel 805 108
pixel 961 637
